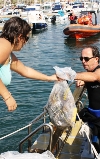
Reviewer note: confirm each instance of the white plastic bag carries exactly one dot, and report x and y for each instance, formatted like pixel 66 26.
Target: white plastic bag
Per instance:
pixel 65 73
pixel 16 155
pixel 61 105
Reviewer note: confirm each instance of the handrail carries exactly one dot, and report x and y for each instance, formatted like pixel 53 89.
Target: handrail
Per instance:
pixel 32 122
pixel 38 117
pixel 32 133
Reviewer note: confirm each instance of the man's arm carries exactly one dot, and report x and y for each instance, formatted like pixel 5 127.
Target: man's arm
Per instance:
pixel 88 76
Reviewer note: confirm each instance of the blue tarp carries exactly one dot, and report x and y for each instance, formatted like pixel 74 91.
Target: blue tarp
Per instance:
pixel 61 12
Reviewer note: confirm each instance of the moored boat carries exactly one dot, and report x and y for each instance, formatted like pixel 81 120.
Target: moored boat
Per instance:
pixel 78 31
pixel 83 30
pixel 37 20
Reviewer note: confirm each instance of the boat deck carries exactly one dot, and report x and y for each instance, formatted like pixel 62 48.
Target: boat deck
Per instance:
pixel 73 146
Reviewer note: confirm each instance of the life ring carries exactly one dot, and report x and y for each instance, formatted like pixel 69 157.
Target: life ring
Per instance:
pixel 72 17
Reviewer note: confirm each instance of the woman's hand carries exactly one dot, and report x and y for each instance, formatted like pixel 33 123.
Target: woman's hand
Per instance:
pixel 53 78
pixel 11 103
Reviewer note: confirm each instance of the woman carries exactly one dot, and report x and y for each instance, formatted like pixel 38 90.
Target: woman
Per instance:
pixel 14 35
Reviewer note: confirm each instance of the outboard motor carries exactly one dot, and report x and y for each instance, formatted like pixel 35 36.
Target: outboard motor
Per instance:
pixel 53 19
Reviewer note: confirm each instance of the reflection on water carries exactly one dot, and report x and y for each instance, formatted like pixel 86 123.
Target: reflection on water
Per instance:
pixel 82 43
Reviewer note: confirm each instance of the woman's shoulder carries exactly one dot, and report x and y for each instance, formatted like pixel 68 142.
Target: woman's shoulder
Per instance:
pixel 5 50
pixel 3 40
pixel 3 43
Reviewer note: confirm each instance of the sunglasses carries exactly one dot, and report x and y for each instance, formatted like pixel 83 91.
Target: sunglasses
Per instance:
pixel 86 58
pixel 26 38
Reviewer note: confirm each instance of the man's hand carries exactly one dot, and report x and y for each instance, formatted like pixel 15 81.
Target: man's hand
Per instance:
pixel 79 83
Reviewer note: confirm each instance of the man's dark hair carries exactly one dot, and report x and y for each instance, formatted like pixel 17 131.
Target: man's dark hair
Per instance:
pixel 95 51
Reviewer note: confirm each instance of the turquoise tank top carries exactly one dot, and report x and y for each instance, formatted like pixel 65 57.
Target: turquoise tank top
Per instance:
pixel 5 73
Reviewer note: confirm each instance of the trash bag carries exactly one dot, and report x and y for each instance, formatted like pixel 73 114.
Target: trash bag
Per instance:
pixel 16 155
pixel 65 73
pixel 61 105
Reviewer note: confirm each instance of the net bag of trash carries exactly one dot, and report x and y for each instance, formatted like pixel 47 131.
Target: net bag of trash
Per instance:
pixel 61 105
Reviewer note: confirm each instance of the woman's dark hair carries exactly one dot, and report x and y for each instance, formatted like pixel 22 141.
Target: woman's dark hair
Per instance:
pixel 14 27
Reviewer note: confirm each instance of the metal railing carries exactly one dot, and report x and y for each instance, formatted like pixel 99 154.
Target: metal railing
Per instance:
pixel 35 131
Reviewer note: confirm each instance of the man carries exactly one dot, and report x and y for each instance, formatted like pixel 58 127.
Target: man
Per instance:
pixel 91 79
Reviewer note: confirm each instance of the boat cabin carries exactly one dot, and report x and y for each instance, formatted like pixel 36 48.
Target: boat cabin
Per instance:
pixel 87 17
pixel 56 7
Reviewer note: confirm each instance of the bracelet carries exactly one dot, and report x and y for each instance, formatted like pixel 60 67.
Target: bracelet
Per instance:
pixel 7 97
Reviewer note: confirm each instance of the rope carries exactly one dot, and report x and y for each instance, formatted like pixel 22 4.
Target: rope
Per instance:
pixel 15 131
pixel 85 128
pixel 20 129
pixel 79 117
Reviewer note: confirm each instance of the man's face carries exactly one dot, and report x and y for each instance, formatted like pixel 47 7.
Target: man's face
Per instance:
pixel 89 62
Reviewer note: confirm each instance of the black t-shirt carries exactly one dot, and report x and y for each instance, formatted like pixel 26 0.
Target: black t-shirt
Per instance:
pixel 93 89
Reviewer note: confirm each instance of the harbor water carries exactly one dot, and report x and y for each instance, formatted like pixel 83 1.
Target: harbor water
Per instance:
pixel 42 52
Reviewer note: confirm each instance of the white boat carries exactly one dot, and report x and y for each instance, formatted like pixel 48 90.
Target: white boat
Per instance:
pixel 68 7
pixel 34 16
pixel 78 7
pixel 96 7
pixel 91 6
pixel 37 20
pixel 59 17
pixel 47 7
pixel 29 8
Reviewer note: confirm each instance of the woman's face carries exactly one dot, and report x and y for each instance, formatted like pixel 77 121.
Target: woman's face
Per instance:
pixel 21 42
